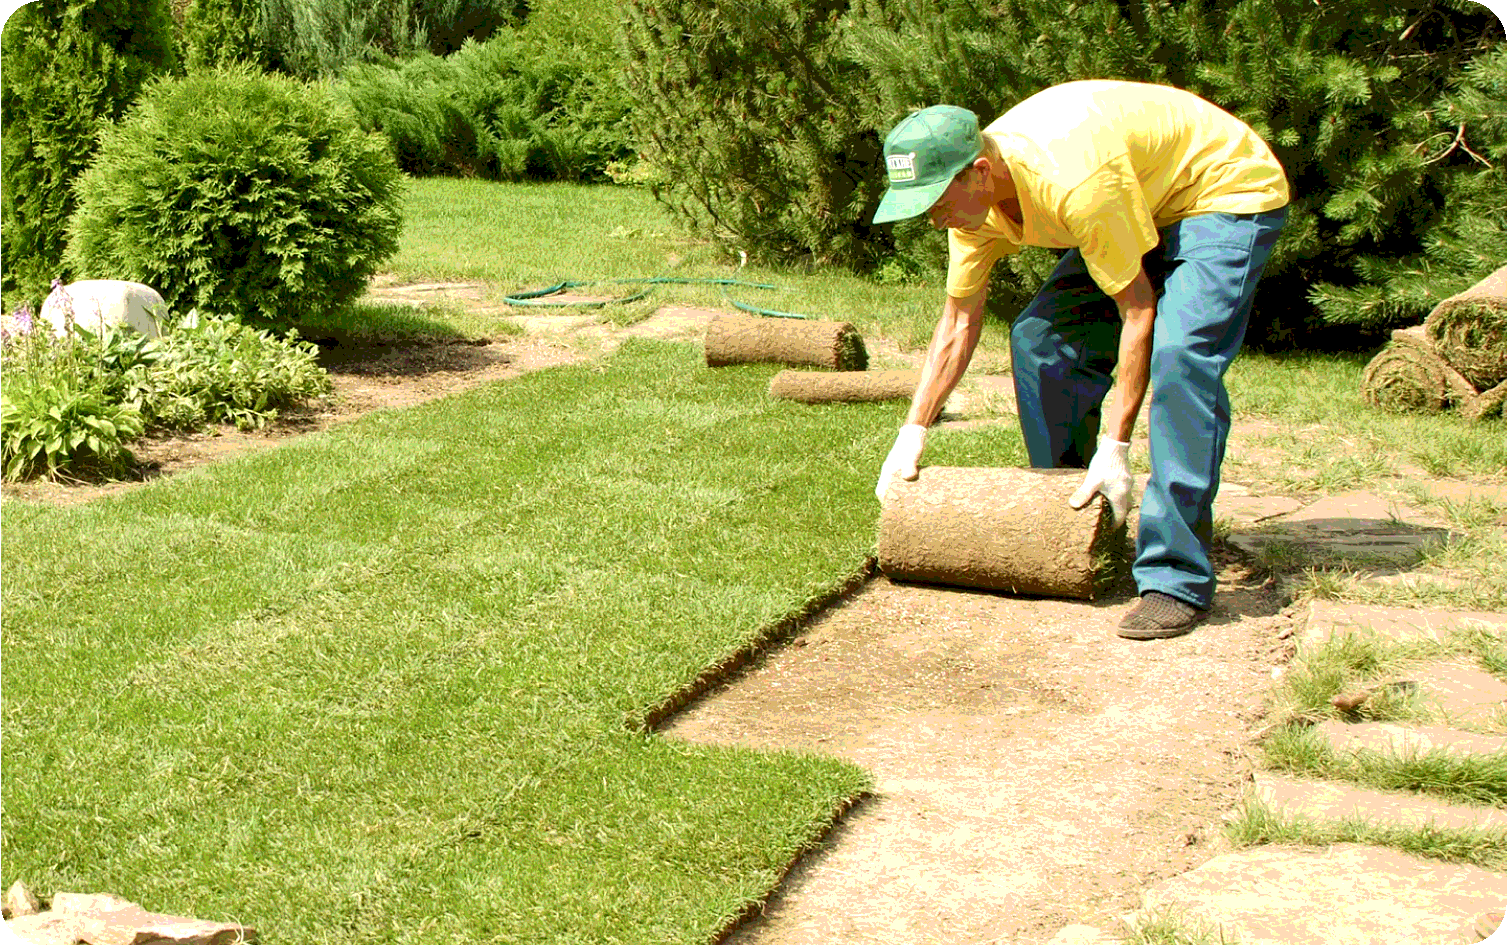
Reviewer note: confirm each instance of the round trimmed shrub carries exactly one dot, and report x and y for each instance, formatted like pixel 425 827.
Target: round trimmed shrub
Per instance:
pixel 245 195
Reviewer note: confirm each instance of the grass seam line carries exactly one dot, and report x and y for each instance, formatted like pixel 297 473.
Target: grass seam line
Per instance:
pixel 764 641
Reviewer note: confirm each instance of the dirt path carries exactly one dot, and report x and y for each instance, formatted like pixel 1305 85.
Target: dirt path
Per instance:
pixel 1032 769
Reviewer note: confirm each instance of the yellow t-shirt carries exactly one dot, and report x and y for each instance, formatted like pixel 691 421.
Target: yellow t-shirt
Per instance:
pixel 1100 165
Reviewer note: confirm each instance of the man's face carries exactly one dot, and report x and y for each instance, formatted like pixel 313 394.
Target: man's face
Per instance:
pixel 964 205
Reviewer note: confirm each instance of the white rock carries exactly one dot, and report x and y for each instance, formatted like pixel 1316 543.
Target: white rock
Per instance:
pixel 100 303
pixel 19 901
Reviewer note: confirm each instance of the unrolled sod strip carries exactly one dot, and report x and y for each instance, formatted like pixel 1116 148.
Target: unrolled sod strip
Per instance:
pixel 735 339
pixel 821 387
pixel 998 529
pixel 1469 330
pixel 1409 375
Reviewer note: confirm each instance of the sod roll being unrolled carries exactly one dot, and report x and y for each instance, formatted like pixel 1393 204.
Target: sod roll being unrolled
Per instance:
pixel 1469 330
pixel 999 529
pixel 736 339
pixel 1408 375
pixel 821 387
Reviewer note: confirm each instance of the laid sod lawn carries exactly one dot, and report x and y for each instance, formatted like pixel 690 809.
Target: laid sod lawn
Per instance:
pixel 387 683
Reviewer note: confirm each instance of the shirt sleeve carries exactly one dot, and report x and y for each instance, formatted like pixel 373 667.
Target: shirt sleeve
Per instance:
pixel 1113 225
pixel 970 257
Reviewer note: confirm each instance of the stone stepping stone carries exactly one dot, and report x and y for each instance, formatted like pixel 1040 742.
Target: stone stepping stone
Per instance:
pixel 674 322
pixel 1346 894
pixel 1356 527
pixel 1236 504
pixel 554 324
pixel 1463 491
pixel 1463 693
pixel 102 919
pixel 1402 741
pixel 1331 800
pixel 1327 618
pixel 1416 582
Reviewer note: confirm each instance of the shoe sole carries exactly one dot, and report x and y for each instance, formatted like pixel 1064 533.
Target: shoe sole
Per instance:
pixel 1156 633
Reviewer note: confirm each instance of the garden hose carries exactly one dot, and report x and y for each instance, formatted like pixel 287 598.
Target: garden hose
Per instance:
pixel 540 297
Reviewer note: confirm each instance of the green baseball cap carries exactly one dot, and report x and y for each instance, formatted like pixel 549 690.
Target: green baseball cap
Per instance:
pixel 922 155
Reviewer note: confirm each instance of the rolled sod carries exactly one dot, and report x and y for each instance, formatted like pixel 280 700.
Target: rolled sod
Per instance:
pixel 1409 376
pixel 1469 330
pixel 735 339
pixel 820 387
pixel 998 529
pixel 1488 405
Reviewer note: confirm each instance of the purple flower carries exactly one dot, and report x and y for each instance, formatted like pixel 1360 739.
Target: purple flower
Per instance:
pixel 24 321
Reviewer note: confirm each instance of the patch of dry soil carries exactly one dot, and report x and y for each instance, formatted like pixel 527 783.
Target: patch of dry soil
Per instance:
pixel 1032 768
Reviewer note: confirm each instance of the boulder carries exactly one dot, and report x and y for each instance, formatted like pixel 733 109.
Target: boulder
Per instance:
pixel 97 304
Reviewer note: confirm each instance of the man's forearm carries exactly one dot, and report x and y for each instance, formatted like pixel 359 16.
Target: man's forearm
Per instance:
pixel 1137 305
pixel 952 347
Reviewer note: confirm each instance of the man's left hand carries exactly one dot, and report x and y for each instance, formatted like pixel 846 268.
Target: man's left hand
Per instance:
pixel 1108 475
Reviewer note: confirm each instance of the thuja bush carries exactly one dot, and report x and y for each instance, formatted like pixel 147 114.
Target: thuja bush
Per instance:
pixel 250 196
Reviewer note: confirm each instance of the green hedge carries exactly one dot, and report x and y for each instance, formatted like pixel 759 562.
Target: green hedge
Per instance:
pixel 321 38
pixel 541 102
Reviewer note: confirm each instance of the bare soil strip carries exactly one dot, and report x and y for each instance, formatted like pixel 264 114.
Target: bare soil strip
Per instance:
pixel 1032 768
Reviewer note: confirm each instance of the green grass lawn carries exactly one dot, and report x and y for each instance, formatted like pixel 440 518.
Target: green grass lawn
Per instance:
pixel 516 237
pixel 386 683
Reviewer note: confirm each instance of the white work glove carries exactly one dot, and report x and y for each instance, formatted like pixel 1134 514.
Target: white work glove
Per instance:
pixel 904 458
pixel 1109 475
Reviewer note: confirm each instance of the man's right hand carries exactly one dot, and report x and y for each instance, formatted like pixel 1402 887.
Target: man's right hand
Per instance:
pixel 904 458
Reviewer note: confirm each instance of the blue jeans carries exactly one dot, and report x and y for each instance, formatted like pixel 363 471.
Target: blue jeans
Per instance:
pixel 1064 346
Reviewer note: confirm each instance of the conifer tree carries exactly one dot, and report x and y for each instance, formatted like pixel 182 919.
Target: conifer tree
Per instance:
pixel 1464 135
pixel 65 67
pixel 221 33
pixel 747 116
pixel 751 110
pixel 1336 88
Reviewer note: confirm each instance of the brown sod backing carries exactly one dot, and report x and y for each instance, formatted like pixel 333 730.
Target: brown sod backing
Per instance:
pixel 1489 405
pixel 735 339
pixel 1469 330
pixel 998 529
pixel 1408 375
pixel 821 387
